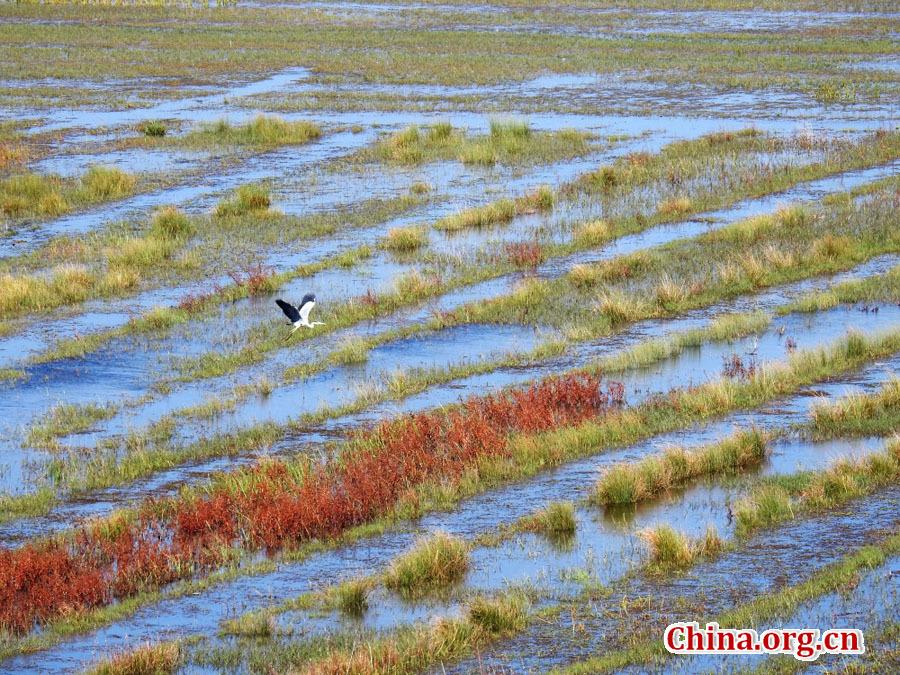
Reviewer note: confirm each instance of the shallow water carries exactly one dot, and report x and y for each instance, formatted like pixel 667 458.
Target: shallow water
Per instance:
pixel 652 113
pixel 479 514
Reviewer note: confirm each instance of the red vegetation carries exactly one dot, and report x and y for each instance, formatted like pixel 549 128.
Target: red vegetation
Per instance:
pixel 256 278
pixel 369 299
pixel 194 302
pixel 733 366
pixel 524 254
pixel 277 507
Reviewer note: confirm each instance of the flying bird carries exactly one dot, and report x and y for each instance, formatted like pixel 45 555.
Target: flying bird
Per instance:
pixel 299 316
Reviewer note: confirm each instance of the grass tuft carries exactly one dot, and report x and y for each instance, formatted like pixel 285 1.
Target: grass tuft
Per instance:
pixel 405 239
pixel 253 198
pixel 147 659
pixel 169 222
pixel 435 562
pixel 352 597
pixel 498 616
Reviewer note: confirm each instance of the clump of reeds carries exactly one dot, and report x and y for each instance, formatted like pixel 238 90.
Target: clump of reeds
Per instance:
pixel 674 206
pixel 253 198
pixel 148 659
pixel 593 233
pixel 435 562
pixel 169 222
pixel 262 131
pixel 352 596
pixel 405 239
pixel 497 616
pixel 555 519
pixel 152 128
pixel 101 183
pixel 620 308
pixel 859 414
pixel 671 550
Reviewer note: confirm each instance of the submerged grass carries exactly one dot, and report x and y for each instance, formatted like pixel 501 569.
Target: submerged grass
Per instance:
pixel 65 419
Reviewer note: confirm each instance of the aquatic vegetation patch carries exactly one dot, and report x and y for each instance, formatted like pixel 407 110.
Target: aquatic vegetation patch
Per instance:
pixel 433 563
pixel 671 550
pixel 627 483
pixel 264 131
pixel 46 196
pixel 777 604
pixel 253 198
pixel 64 419
pixel 783 498
pixel 858 414
pixel 405 239
pixel 148 659
pixel 507 142
pixel 288 501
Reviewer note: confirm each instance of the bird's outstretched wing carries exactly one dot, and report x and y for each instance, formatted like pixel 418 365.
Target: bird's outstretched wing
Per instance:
pixel 306 305
pixel 289 310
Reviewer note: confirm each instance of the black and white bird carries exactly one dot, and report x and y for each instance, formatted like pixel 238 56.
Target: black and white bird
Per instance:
pixel 299 317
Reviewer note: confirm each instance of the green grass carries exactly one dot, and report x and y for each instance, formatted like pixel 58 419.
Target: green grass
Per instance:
pixel 670 550
pixel 253 198
pixel 266 338
pixel 627 483
pixel 555 519
pixel 724 327
pixel 148 659
pixel 152 128
pixel 782 498
pixel 404 239
pixel 858 414
pixel 507 142
pixel 161 319
pixel 35 503
pixel 685 274
pixel 434 563
pixel 529 456
pixel 409 649
pixel 262 132
pixel 47 196
pixel 352 597
pixel 65 419
pixel 501 615
pixel 264 40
